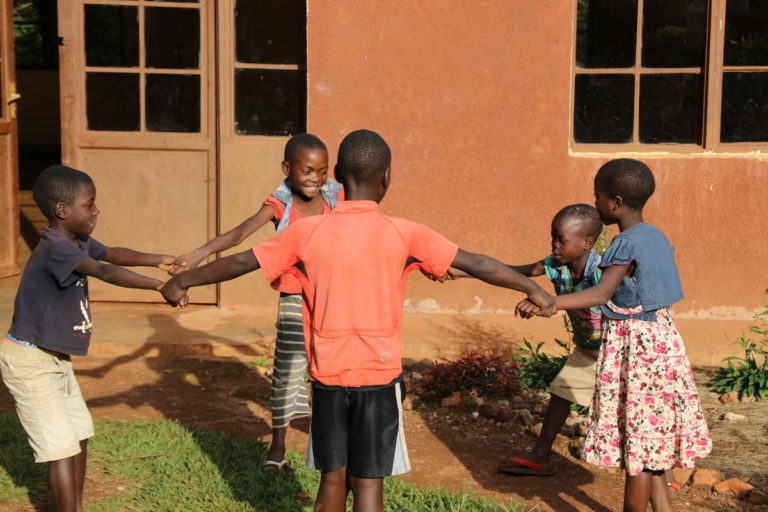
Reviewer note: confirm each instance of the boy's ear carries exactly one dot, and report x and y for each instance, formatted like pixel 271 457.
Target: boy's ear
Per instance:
pixel 386 178
pixel 61 210
pixel 589 242
pixel 617 201
pixel 286 167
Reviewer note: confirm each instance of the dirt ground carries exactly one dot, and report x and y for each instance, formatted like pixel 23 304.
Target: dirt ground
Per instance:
pixel 447 449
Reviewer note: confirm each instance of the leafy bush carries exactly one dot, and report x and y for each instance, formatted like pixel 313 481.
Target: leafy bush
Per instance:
pixel 538 369
pixel 493 377
pixel 747 375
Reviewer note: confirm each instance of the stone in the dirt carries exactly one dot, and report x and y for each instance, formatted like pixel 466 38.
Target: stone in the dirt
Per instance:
pixel 561 444
pixel 518 402
pixel 582 429
pixel 473 400
pixel 735 486
pixel 451 400
pixel 411 402
pixel 733 418
pixel 498 411
pixel 536 429
pixel 731 398
pixel 757 497
pixel 576 446
pixel 682 475
pixel 705 477
pixel 523 416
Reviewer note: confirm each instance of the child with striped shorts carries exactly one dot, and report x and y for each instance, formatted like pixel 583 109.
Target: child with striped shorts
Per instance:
pixel 306 191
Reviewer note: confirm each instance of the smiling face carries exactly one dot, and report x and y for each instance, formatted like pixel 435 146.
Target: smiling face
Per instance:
pixel 569 240
pixel 307 171
pixel 79 218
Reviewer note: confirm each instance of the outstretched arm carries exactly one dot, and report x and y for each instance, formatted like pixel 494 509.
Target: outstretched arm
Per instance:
pixel 226 240
pixel 220 270
pixel 530 270
pixel 595 296
pixel 117 275
pixel 496 273
pixel 131 258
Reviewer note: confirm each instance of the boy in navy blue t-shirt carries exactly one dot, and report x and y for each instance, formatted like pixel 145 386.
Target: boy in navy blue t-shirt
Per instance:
pixel 52 321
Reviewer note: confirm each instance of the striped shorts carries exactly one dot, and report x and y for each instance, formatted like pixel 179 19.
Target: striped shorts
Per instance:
pixel 289 389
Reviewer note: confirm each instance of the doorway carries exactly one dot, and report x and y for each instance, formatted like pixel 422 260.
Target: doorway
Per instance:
pixel 179 110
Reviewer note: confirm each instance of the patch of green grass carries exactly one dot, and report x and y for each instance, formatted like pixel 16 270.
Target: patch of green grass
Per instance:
pixel 166 466
pixel 261 361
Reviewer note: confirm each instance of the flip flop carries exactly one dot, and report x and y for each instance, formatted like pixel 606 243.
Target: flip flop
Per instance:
pixel 273 465
pixel 527 468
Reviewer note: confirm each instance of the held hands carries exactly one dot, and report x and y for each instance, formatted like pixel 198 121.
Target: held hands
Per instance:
pixel 539 303
pixel 186 261
pixel 174 294
pixel 168 262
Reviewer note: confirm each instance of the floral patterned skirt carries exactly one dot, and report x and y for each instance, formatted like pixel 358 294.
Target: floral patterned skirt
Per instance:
pixel 645 413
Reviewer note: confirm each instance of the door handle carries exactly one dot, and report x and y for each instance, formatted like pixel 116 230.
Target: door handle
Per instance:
pixel 14 97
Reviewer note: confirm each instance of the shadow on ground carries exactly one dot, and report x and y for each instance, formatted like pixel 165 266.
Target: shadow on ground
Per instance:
pixel 231 397
pixel 481 445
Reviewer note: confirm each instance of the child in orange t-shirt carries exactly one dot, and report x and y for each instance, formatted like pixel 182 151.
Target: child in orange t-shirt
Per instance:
pixel 353 265
pixel 306 191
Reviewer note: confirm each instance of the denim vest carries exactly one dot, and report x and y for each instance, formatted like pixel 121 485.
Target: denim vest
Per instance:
pixel 656 281
pixel 329 191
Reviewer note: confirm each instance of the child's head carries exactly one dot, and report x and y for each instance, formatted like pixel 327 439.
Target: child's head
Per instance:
pixel 67 197
pixel 364 161
pixel 575 229
pixel 622 181
pixel 305 163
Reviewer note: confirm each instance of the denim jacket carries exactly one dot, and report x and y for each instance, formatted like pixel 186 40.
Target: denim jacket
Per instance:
pixel 329 191
pixel 655 283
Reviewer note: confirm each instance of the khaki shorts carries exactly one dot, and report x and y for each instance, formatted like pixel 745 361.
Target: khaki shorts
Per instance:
pixel 48 400
pixel 576 381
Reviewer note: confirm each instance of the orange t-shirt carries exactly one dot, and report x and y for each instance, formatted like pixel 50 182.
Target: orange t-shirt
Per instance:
pixel 288 283
pixel 353 265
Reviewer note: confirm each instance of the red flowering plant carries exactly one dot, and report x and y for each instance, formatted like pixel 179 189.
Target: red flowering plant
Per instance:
pixel 491 375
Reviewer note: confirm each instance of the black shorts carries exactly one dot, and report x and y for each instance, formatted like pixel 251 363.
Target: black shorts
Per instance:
pixel 361 428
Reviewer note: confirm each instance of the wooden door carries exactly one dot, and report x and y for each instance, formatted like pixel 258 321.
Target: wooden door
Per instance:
pixel 138 115
pixel 262 100
pixel 9 188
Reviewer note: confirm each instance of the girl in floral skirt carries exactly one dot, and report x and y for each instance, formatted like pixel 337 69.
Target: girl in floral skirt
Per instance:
pixel 645 414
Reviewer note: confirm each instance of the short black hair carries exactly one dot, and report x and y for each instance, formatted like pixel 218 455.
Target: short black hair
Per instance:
pixel 631 179
pixel 58 184
pixel 363 156
pixel 302 140
pixel 587 215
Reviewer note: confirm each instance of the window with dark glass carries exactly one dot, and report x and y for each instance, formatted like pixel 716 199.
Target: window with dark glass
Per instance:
pixel 650 72
pixel 143 66
pixel 35 39
pixel 270 67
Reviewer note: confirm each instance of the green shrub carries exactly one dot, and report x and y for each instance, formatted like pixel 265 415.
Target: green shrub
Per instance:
pixel 537 368
pixel 748 374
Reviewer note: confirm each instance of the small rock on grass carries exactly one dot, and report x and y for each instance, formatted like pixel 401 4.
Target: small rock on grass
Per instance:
pixel 682 475
pixel 733 418
pixel 731 398
pixel 451 400
pixel 735 486
pixel 705 477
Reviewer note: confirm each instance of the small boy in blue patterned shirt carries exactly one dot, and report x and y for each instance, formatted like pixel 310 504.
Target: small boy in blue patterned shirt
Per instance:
pixel 572 267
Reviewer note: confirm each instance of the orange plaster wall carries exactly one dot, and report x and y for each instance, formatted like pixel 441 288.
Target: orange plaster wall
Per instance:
pixel 474 99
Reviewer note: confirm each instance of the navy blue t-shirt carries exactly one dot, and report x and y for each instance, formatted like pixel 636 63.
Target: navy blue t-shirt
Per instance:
pixel 51 308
